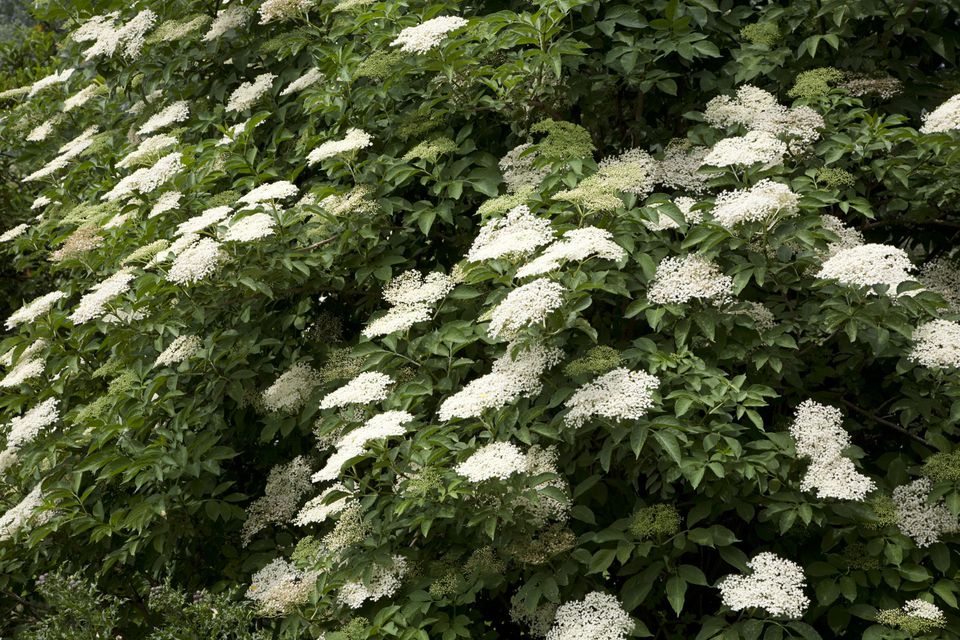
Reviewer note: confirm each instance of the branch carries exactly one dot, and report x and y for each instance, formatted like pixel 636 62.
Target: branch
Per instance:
pixel 886 423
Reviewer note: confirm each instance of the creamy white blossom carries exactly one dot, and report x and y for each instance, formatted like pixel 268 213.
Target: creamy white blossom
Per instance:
pixel 366 388
pixel 599 616
pixel 34 309
pixel 312 76
pixel 196 262
pixel 530 304
pixel 147 148
pixel 620 394
pixel 496 460
pixel 204 219
pixel 944 118
pixel 383 583
pixel 923 609
pixel 751 148
pixel 765 202
pixel 40 202
pixel 94 303
pixel 321 507
pixel 55 78
pixel 279 586
pixel 280 10
pixel 286 486
pixel 27 368
pixel 292 389
pixel 576 244
pixel 247 94
pixel 353 140
pixel 692 277
pixel 147 179
pixel 81 97
pixel 920 519
pixel 26 428
pixel 509 379
pixel 181 349
pixel 356 442
pixel 776 586
pixel 428 34
pixel 249 228
pixel 176 112
pixel 936 344
pixel 847 237
pixel 14 232
pixel 412 296
pixel 271 191
pixel 516 234
pixel 634 171
pixel 233 17
pixel 396 319
pixel 818 435
pixel 42 131
pixel 166 202
pixel 23 513
pixel 869 265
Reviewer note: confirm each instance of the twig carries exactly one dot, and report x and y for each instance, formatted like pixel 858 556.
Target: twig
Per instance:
pixel 884 422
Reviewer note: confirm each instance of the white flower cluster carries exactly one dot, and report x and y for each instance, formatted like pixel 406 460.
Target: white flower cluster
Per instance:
pixel 42 131
pixel 576 244
pixel 383 582
pixel 752 148
pixel 286 486
pixel 848 237
pixel 204 219
pixel 510 379
pixel 23 513
pixel 247 94
pixel 40 202
pixel 166 202
pixel 25 428
pixel 518 169
pixel 269 192
pixel 292 389
pixel 180 350
pixel 412 297
pixel 27 368
pixel 545 507
pixel 81 97
pixel 936 344
pixel 496 460
pixel 353 444
pixel 776 586
pixel 14 232
pixel 920 519
pixel 516 234
pixel 353 140
pixel 664 222
pixel 366 388
pixel 525 306
pixel 679 168
pixel 34 309
pixel 922 609
pixel 620 394
pixel 868 265
pixel 55 78
pixel 428 34
pixel 149 147
pixel 818 435
pixel 176 112
pixel 944 118
pixel 763 202
pixel 538 621
pixel 634 171
pixel 692 277
pixel 147 179
pixel 196 261
pixel 107 37
pixel 67 152
pixel 942 275
pixel 320 508
pixel 280 586
pixel 312 76
pixel 758 110
pixel 94 303
pixel 599 616
pixel 233 17
pixel 249 228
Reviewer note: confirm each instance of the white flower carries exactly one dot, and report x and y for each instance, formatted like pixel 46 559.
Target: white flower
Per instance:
pixel 936 344
pixel 920 519
pixel 34 309
pixel 577 244
pixel 428 34
pixel 286 486
pixel 355 443
pixel 25 512
pixel 633 171
pixel 496 460
pixel 182 348
pixel 510 378
pixel 396 319
pixel 847 236
pixel 280 586
pixel 57 77
pixel 680 166
pixel 412 296
pixel 383 583
pixel 25 428
pixel 518 170
pixel 312 76
pixel 249 228
pixel 320 508
pixel 763 202
pixel 272 10
pixel 81 97
pixel 620 394
pixel 692 277
pixel 817 434
pixel 94 303
pixel 109 38
pixel 247 94
pixel 517 234
pixel 366 388
pixel 944 118
pixel 14 232
pixel 206 218
pixel 279 190
pixel 922 609
pixel 176 112
pixel 196 262
pixel 292 389
pixel 147 148
pixel 41 131
pixel 599 616
pixel 869 265
pixel 166 202
pixel 147 179
pixel 754 147
pixel 232 17
pixel 353 140
pixel 39 202
pixel 525 306
pixel 684 204
pixel 776 585
pixel 25 369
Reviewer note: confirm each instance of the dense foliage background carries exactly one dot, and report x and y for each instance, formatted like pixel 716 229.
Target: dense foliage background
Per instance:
pixel 149 489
